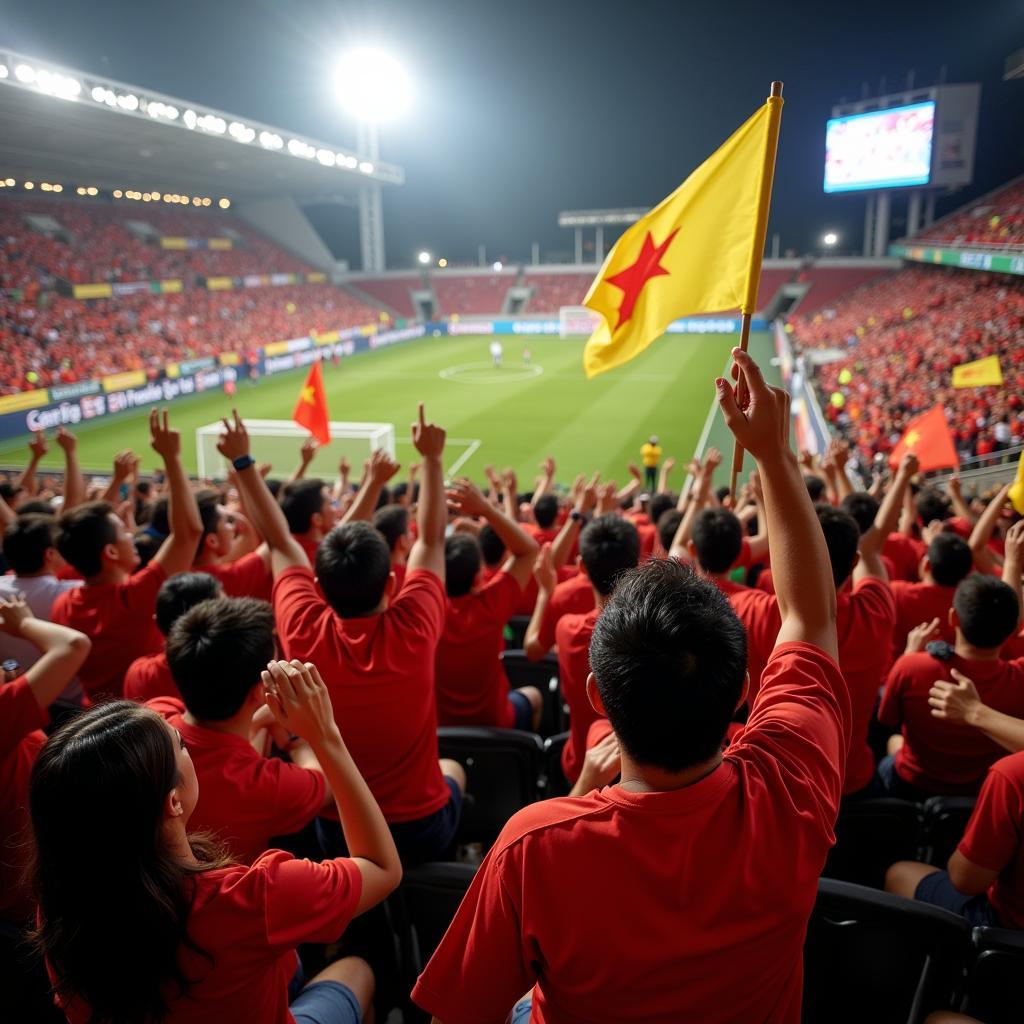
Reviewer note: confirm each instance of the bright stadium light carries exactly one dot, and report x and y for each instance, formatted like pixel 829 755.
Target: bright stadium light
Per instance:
pixel 496 265
pixel 424 257
pixel 830 238
pixel 372 85
pixel 25 73
pixel 3 71
pixel 442 263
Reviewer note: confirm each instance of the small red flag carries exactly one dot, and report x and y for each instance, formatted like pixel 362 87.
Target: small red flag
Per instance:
pixel 311 408
pixel 928 437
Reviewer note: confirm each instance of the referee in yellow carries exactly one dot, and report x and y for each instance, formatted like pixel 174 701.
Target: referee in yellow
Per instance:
pixel 650 453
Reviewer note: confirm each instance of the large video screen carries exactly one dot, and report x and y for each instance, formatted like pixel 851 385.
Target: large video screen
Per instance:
pixel 880 149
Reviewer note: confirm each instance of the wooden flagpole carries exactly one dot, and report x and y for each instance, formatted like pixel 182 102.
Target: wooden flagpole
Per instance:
pixel 755 272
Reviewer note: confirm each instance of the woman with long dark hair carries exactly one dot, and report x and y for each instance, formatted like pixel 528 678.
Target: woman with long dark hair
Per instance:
pixel 141 921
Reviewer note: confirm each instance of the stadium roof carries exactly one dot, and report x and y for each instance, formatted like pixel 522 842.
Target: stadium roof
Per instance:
pixel 63 125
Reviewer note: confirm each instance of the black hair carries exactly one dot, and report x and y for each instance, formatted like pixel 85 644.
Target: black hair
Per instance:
pixel 932 504
pixel 842 535
pixel 462 560
pixel 352 565
pixel 608 546
pixel 147 545
pixel 950 559
pixel 209 502
pixel 669 657
pixel 27 540
pixel 658 505
pixel 392 522
pixel 83 533
pixel 668 525
pixel 863 508
pixel 301 500
pixel 492 547
pixel 988 610
pixel 182 592
pixel 545 511
pixel 216 652
pixel 718 538
pixel 158 521
pixel 815 486
pixel 36 507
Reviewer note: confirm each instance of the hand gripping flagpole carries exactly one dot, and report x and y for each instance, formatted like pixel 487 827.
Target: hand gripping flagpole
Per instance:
pixel 764 201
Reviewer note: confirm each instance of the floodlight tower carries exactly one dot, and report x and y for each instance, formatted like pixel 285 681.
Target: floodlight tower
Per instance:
pixel 374 87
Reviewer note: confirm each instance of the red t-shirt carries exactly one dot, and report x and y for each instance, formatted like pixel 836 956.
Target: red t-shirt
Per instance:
pixel 905 553
pixel 573 634
pixel 249 921
pixel 759 613
pixel 380 673
pixel 574 596
pixel 917 603
pixel 528 595
pixel 148 677
pixel 309 546
pixel 21 739
pixel 940 756
pixel 472 688
pixel 248 577
pixel 713 937
pixel 399 569
pixel 244 798
pixel 118 619
pixel 541 534
pixel 993 839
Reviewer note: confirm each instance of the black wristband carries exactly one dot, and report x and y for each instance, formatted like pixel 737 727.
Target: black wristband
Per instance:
pixel 578 517
pixel 243 462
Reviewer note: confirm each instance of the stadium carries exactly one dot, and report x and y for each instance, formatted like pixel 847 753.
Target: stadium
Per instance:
pixel 402 627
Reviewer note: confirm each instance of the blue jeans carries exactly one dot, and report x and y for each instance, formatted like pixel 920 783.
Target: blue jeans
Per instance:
pixel 522 1010
pixel 326 1002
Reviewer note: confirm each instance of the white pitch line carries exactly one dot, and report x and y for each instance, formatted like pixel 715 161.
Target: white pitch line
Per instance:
pixel 688 482
pixel 471 443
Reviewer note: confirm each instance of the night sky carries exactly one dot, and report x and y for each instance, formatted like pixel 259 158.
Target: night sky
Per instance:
pixel 526 108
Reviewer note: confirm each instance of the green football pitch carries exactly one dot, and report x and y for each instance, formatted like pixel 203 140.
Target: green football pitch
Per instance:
pixel 512 416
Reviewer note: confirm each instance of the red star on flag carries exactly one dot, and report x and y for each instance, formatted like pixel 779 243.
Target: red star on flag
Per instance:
pixel 632 280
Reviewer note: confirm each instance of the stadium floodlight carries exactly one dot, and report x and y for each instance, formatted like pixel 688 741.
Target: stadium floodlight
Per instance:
pixel 424 257
pixel 372 85
pixel 830 238
pixel 25 73
pixel 366 166
pixel 496 265
pixel 223 203
pixel 3 71
pixel 442 263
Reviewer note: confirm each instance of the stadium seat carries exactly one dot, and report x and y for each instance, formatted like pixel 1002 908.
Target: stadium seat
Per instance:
pixel 944 823
pixel 515 631
pixel 504 772
pixel 872 956
pixel 871 835
pixel 543 674
pixel 558 784
pixel 994 989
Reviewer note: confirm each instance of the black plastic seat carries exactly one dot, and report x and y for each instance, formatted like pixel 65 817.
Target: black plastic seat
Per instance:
pixel 515 630
pixel 943 826
pixel 504 772
pixel 870 835
pixel 558 784
pixel 872 956
pixel 544 675
pixel 994 991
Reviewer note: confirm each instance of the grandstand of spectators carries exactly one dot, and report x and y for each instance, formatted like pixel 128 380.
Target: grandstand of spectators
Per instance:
pixel 471 293
pixel 553 291
pixel 901 337
pixel 393 292
pixel 996 220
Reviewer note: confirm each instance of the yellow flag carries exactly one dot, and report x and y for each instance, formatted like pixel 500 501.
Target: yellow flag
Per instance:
pixel 698 251
pixel 1017 488
pixel 979 374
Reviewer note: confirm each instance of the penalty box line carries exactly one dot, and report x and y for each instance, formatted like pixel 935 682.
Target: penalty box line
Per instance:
pixel 471 443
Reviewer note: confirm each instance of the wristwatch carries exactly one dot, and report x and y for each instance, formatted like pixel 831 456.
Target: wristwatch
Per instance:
pixel 578 517
pixel 242 462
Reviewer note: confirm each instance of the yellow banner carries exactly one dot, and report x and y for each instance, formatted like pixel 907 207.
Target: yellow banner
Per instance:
pixel 172 242
pixel 276 348
pixel 229 359
pixel 220 243
pixel 326 338
pixel 121 381
pixel 171 285
pixel 316 277
pixel 982 373
pixel 24 400
pixel 172 370
pixel 220 284
pixel 92 291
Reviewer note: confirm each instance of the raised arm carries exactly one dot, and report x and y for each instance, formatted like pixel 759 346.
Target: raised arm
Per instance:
pixel 666 467
pixel 956 495
pixel 432 509
pixel 586 502
pixel 1013 563
pixel 125 464
pixel 546 577
pixel 984 560
pixel 341 484
pixel 873 540
pixel 380 468
pixel 959 702
pixel 178 552
pixel 801 570
pixel 698 499
pixel 37 448
pixel 306 454
pixel 268 518
pixel 74 481
pixel 546 480
pixel 466 499
pixel 63 650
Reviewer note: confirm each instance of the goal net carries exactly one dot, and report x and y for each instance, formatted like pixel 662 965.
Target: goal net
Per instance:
pixel 278 442
pixel 576 320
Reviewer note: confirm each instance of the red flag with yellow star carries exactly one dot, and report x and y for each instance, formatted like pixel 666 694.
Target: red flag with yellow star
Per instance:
pixel 311 408
pixel 698 251
pixel 928 437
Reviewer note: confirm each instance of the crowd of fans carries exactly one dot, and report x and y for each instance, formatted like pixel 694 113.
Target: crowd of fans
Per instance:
pixel 60 340
pixel 471 293
pixel 997 221
pixel 550 292
pixel 219 725
pixel 901 337
pixel 92 243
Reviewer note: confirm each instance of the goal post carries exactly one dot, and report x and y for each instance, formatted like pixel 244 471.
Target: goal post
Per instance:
pixel 278 442
pixel 574 321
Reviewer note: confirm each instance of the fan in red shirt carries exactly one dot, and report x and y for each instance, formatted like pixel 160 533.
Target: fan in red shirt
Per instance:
pixel 115 608
pixel 216 652
pixel 669 660
pixel 472 688
pixel 207 940
pixel 376 645
pixel 392 523
pixel 243 571
pixel 308 508
pixel 150 676
pixel 23 715
pixel 947 562
pixel 939 756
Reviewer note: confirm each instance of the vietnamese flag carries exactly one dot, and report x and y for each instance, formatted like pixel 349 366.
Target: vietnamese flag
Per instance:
pixel 311 408
pixel 928 437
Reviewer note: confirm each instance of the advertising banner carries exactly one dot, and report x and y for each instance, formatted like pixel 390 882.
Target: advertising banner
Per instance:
pixel 969 259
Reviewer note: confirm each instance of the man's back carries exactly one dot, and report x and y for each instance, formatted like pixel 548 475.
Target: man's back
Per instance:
pixel 917 603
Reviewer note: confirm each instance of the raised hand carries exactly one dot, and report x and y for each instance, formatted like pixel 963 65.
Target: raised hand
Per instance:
pixel 382 467
pixel 547 467
pixel 298 699
pixel 712 459
pixel 762 428
pixel 634 471
pixel 308 450
pixel 164 441
pixel 587 500
pixel 953 485
pixel 909 465
pixel 38 446
pixel 922 635
pixel 1014 543
pixel 344 468
pixel 427 437
pixel 13 612
pixel 66 441
pixel 607 502
pixel 955 702
pixel 544 569
pixel 124 463
pixel 233 443
pixel 467 499
pixel 669 464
